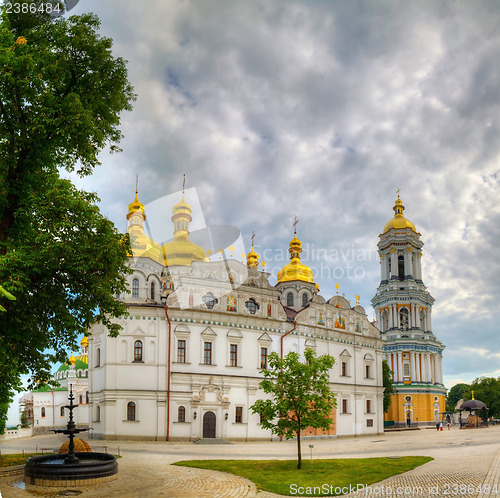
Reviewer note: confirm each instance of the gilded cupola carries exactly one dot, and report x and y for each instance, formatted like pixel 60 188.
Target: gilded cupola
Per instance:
pixel 295 270
pixel 399 221
pixel 252 257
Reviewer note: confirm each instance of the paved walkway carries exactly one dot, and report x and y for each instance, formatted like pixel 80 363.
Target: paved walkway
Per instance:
pixel 464 461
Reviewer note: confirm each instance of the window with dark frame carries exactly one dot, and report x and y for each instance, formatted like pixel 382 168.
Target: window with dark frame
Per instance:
pixel 43 412
pixel 153 291
pixel 207 353
pixel 289 299
pixel 62 411
pixel 131 411
pixel 98 357
pixel 344 369
pixel 135 288
pixel 181 351
pixel 210 300
pixel 98 413
pixel 233 355
pixel 368 406
pixel 181 414
pixel 238 419
pixel 263 358
pixel 138 351
pixel 252 306
pixel 368 371
pixel 344 406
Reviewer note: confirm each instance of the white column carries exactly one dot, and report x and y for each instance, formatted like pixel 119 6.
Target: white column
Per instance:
pixel 391 322
pixel 417 367
pixel 400 367
pixel 396 315
pixel 407 263
pixel 428 372
pixel 385 266
pixel 419 267
pixel 394 264
pixel 412 367
pixel 429 319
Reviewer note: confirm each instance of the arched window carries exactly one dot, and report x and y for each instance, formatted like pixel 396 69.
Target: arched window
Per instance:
pixel 80 400
pixel 385 321
pixel 98 413
pixel 43 411
pixel 98 357
pixel 131 411
pixel 181 414
pixel 401 267
pixel 153 290
pixel 305 299
pixel 137 351
pixel 289 299
pixel 135 288
pixel 87 397
pixel 404 319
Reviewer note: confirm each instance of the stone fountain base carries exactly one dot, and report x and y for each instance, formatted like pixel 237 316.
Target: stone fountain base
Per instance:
pixel 51 470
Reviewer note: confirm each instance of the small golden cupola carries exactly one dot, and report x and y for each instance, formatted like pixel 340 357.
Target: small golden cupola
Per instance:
pixel 295 270
pixel 181 251
pixel 141 245
pixel 253 257
pixel 399 221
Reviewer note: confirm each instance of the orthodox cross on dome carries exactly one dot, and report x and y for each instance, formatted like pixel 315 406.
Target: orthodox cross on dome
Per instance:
pixel 295 224
pixel 253 237
pixel 137 183
pixel 397 192
pixel 183 182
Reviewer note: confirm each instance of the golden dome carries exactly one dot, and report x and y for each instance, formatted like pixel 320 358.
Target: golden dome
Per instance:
pixel 85 341
pixel 72 359
pixel 295 270
pixel 135 206
pixel 252 257
pixel 182 251
pixel 399 221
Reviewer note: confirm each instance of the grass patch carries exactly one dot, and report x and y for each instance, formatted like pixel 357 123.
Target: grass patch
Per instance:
pixel 277 476
pixel 15 459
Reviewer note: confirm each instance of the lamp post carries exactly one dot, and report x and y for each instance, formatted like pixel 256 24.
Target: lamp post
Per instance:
pixel 164 299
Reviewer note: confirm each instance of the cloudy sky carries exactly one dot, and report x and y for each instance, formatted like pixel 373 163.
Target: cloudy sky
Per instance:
pixel 322 109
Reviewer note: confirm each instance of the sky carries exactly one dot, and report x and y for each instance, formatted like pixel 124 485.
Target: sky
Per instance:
pixel 322 110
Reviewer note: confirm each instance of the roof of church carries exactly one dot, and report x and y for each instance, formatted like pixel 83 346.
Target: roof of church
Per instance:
pixel 399 221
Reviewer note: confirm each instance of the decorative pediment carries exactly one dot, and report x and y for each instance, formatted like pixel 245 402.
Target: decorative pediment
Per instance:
pixel 138 331
pixel 265 338
pixel 369 357
pixel 182 328
pixel 208 332
pixel 345 354
pixel 310 343
pixel 235 333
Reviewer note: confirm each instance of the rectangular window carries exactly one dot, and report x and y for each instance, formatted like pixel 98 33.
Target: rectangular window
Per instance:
pixel 368 371
pixel 344 369
pixel 181 351
pixel 239 415
pixel 369 422
pixel 368 406
pixel 406 369
pixel 233 355
pixel 263 358
pixel 207 353
pixel 344 406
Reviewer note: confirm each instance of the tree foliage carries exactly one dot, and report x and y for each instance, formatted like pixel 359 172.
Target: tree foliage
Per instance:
pixel 301 395
pixel 455 394
pixel 4 408
pixel 61 94
pixel 487 390
pixel 388 387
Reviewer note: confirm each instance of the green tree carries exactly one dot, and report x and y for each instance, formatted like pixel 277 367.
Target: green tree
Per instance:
pixel 4 408
pixel 388 387
pixel 61 94
pixel 455 394
pixel 487 390
pixel 301 395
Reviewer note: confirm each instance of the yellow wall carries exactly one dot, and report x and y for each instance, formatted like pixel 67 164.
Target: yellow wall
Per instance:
pixel 423 407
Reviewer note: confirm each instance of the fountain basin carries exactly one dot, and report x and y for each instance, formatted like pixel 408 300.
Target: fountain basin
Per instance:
pixel 51 470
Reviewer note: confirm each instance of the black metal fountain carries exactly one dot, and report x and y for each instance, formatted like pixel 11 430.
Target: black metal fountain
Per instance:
pixel 73 468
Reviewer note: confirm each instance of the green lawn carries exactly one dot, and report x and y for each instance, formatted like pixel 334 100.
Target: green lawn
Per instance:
pixel 282 476
pixel 17 459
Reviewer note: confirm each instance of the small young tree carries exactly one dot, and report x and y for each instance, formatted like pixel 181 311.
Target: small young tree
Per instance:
pixel 301 395
pixel 388 387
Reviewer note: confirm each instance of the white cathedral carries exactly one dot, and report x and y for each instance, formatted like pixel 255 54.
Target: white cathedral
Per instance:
pixel 187 362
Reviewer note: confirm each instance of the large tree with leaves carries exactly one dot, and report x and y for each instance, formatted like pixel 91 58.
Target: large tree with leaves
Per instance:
pixel 388 386
pixel 300 395
pixel 61 95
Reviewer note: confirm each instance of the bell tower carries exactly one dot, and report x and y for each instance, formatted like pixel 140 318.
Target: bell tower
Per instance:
pixel 403 307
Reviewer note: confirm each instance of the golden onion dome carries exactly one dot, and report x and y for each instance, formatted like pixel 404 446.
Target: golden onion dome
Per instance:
pixel 252 257
pixel 72 359
pixel 182 207
pixel 85 341
pixel 399 221
pixel 181 251
pixel 135 206
pixel 295 270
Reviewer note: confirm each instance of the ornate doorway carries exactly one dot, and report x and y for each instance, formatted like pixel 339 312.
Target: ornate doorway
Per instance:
pixel 209 425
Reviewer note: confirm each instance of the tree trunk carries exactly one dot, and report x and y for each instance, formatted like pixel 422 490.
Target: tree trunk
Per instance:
pixel 299 453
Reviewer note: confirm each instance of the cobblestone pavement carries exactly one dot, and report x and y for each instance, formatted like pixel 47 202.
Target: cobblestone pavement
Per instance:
pixel 464 462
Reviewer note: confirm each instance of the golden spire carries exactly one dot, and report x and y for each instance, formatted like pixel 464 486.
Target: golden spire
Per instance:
pixel 252 256
pixel 295 270
pixel 72 359
pixel 136 205
pixel 472 394
pixel 399 221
